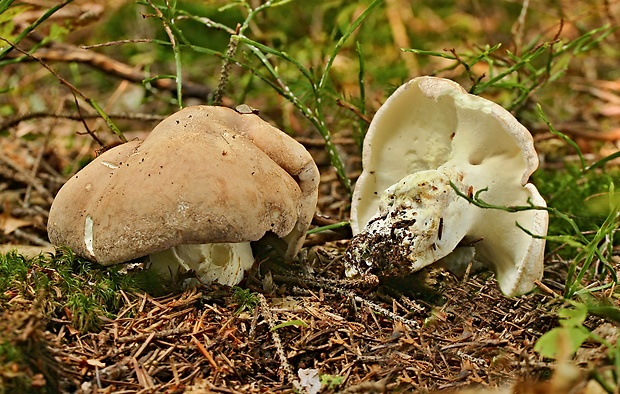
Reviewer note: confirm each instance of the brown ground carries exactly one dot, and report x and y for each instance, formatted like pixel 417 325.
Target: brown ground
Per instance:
pixel 443 332
pixel 451 333
pixel 427 332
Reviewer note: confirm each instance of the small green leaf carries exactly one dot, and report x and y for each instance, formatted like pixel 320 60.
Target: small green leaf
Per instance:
pixel 334 226
pixel 5 4
pixel 607 311
pixel 57 33
pixel 603 203
pixel 573 317
pixel 561 341
pixel 7 17
pixel 331 381
pixel 290 323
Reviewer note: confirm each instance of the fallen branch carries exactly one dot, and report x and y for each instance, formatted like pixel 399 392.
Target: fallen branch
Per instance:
pixel 74 90
pixel 339 287
pixel 11 170
pixel 14 121
pixel 68 53
pixel 286 366
pixel 158 334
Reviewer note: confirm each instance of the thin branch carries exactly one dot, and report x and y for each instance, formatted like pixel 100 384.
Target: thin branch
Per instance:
pixel 35 169
pixel 338 287
pixel 73 54
pixel 22 175
pixel 119 42
pixel 33 239
pixel 266 312
pixel 158 334
pixel 31 27
pixel 75 90
pixel 344 104
pixel 175 50
pixel 14 121
pixel 88 130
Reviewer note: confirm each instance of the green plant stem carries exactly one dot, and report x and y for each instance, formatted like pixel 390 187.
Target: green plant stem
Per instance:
pixel 520 63
pixel 4 5
pixel 527 76
pixel 107 119
pixel 33 26
pixel 315 117
pixel 75 90
pixel 562 136
pixel 356 23
pixel 604 383
pixel 588 249
pixel 168 22
pixel 233 43
pixel 334 226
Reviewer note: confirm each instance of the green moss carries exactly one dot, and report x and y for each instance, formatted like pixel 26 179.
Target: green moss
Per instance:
pixel 13 267
pixel 88 291
pixel 60 286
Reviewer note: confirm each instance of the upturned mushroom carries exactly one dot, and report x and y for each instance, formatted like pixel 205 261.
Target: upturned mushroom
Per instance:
pixel 205 183
pixel 428 138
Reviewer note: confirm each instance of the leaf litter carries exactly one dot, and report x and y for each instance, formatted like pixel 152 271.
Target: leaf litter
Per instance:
pixel 434 331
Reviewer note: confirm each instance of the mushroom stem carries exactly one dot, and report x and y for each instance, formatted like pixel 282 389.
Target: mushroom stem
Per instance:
pixel 420 220
pixel 224 263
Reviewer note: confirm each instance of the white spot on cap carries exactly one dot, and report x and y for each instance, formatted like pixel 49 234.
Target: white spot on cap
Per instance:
pixel 88 235
pixel 110 165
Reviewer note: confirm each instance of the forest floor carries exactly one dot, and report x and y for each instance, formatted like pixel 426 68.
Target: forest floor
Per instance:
pixel 286 327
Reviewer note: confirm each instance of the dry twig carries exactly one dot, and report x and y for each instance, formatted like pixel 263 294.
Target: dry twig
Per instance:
pixel 288 370
pixel 68 53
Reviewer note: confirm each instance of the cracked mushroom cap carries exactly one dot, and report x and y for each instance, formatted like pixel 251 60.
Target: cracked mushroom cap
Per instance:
pixel 431 133
pixel 203 175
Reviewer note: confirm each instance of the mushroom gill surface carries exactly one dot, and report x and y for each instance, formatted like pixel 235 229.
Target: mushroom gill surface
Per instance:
pixel 429 140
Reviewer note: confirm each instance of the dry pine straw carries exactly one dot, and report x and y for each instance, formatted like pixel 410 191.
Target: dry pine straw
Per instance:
pixel 197 341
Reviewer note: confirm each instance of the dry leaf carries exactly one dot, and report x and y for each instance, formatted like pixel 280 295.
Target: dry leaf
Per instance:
pixel 8 224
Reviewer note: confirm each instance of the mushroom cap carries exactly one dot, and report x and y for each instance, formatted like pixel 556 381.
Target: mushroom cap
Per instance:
pixel 427 122
pixel 433 125
pixel 203 175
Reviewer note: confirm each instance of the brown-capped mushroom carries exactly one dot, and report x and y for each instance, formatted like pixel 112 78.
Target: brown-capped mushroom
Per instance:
pixel 204 175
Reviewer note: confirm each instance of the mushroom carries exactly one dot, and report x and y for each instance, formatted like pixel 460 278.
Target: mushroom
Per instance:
pixel 430 137
pixel 205 183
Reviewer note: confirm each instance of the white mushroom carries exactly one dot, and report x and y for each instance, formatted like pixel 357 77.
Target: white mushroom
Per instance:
pixel 429 136
pixel 202 185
